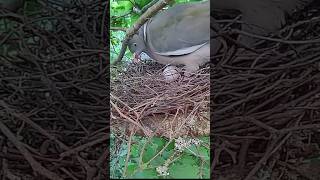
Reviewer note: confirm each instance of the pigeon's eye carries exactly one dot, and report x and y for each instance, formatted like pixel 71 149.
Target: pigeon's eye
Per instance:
pixel 135 44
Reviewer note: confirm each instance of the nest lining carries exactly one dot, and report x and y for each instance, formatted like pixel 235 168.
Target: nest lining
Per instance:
pixel 141 94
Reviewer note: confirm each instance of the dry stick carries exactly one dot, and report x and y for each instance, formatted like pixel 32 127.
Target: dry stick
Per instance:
pixel 6 171
pixel 281 94
pixel 18 157
pixel 240 137
pixel 261 124
pixel 308 21
pixel 42 131
pixel 101 162
pixel 68 173
pixel 84 146
pixel 142 151
pixel 172 123
pixel 36 166
pixel 149 13
pixel 125 104
pixel 268 153
pixel 159 152
pixel 172 138
pixel 275 39
pixel 302 173
pixel 47 114
pixel 242 157
pixel 146 7
pixel 128 154
pixel 128 118
pixel 4 39
pixel 247 98
pixel 298 128
pixel 32 124
pixel 90 171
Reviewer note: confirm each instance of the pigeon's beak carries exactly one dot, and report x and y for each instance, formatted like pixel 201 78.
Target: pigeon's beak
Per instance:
pixel 136 57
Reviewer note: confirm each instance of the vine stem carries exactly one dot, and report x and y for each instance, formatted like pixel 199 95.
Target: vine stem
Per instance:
pixel 128 154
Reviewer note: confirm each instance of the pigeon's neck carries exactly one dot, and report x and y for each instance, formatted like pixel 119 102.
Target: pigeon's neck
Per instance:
pixel 143 33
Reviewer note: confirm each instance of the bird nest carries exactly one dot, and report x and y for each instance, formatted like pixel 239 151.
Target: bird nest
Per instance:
pixel 141 98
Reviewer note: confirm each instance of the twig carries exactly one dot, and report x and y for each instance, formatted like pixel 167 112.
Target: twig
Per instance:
pixel 128 153
pixel 36 166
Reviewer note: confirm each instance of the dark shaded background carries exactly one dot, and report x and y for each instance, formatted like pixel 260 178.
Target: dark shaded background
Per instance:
pixel 54 91
pixel 265 103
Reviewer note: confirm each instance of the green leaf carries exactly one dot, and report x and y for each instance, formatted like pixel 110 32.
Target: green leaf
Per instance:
pixel 124 150
pixel 146 174
pixel 192 150
pixel 167 153
pixel 132 19
pixel 206 172
pixel 122 161
pixel 199 151
pixel 160 142
pixel 120 8
pixel 186 167
pixel 142 3
pixel 135 150
pixel 159 160
pixel 204 152
pixel 150 152
pixel 170 146
pixel 131 168
pixel 144 166
pixel 205 139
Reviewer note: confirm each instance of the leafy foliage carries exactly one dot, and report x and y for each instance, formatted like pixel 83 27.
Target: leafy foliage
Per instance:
pixel 146 155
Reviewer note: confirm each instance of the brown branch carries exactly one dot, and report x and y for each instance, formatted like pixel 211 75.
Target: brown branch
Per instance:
pixel 236 31
pixel 36 166
pixel 146 7
pixel 149 13
pixel 267 155
pixel 84 146
pixel 128 153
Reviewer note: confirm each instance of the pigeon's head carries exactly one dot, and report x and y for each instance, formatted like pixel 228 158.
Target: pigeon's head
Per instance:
pixel 137 46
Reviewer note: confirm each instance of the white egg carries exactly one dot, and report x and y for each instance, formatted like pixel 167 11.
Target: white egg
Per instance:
pixel 171 74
